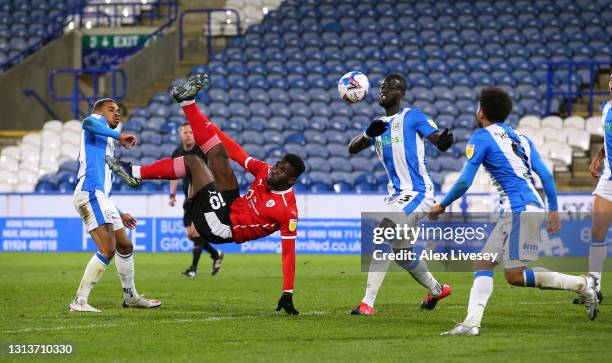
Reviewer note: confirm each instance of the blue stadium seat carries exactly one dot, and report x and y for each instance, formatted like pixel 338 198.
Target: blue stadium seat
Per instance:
pixel 296 138
pixel 171 139
pixel 155 123
pixel 158 109
pixel 152 137
pixel 150 150
pixel 319 164
pixel 277 123
pixel 219 95
pixel 361 163
pixel 274 151
pixel 320 187
pixel 162 97
pixel 255 150
pixel 134 124
pixel 317 137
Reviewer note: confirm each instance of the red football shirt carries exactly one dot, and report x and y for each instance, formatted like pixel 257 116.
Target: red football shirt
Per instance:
pixel 261 211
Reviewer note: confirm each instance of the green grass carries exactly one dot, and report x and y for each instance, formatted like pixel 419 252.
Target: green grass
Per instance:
pixel 231 317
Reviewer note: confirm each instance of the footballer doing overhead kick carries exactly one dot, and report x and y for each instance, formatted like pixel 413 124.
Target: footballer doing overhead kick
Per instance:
pixel 399 141
pixel 219 213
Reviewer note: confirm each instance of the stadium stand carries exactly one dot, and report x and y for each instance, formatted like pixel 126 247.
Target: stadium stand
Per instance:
pixel 279 80
pixel 27 25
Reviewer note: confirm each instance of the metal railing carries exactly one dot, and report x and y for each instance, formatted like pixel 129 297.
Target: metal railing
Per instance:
pixel 28 92
pixel 77 96
pixel 572 68
pixel 209 11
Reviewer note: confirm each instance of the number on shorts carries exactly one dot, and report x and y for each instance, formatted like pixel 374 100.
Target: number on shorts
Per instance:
pixel 216 200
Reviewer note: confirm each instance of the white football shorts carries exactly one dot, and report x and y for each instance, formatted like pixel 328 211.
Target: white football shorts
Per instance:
pixel 96 209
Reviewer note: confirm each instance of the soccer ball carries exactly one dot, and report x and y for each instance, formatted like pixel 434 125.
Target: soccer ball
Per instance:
pixel 354 87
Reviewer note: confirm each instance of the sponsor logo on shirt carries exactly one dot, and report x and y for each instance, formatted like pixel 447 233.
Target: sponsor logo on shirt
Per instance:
pixel 270 203
pixel 387 141
pixel 469 150
pixel 292 225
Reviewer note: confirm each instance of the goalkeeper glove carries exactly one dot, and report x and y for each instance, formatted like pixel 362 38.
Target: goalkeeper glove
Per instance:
pixel 445 140
pixel 376 128
pixel 286 302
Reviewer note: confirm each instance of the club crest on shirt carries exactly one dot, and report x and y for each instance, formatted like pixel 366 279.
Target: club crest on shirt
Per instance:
pixel 270 203
pixel 292 225
pixel 469 150
pixel 397 123
pixel 432 123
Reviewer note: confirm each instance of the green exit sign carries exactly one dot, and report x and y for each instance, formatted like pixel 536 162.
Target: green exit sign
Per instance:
pixel 113 41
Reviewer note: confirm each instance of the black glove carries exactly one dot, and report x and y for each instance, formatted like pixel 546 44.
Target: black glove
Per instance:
pixel 286 302
pixel 445 140
pixel 376 128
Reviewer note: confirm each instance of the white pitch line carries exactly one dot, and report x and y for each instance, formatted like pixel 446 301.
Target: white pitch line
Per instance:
pixel 169 321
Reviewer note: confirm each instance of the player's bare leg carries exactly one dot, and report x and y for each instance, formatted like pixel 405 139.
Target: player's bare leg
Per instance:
pixel 104 238
pixel 124 261
pixel 205 132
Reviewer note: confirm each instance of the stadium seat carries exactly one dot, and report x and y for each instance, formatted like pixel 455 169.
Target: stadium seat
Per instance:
pixel 579 139
pixel 554 122
pixel 530 121
pixel 576 122
pixel 593 126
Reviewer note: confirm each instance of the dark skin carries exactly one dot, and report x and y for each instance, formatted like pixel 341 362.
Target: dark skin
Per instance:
pixel 514 276
pixel 391 95
pixel 112 113
pixel 281 176
pixel 107 240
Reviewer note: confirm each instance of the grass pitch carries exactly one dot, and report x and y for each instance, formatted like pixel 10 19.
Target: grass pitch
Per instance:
pixel 231 317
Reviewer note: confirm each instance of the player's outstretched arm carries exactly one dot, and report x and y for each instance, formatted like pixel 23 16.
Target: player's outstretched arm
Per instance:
pixel 288 255
pixel 546 176
pixel 98 128
pixel 361 142
pixel 443 141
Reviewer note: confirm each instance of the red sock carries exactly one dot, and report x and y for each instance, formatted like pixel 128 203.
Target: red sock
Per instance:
pixel 203 130
pixel 167 169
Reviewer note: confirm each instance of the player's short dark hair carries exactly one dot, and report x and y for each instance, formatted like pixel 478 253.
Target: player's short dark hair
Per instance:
pixel 296 162
pixel 186 123
pixel 101 102
pixel 400 78
pixel 495 103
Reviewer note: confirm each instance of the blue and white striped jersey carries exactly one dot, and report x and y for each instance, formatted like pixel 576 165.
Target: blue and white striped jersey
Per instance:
pixel 606 123
pixel 401 150
pixel 93 173
pixel 508 157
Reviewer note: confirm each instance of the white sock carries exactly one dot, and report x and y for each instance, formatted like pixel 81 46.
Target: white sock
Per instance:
pixel 187 103
pixel 376 275
pixel 598 251
pixel 125 269
pixel 546 279
pixel 136 171
pixel 93 272
pixel 421 274
pixel 479 296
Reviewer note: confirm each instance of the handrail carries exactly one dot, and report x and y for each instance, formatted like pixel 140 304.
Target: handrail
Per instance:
pixel 77 96
pixel 209 32
pixel 572 67
pixel 28 92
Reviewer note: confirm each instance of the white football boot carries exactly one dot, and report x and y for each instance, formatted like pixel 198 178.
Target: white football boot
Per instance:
pixel 82 305
pixel 589 296
pixel 141 302
pixel 462 329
